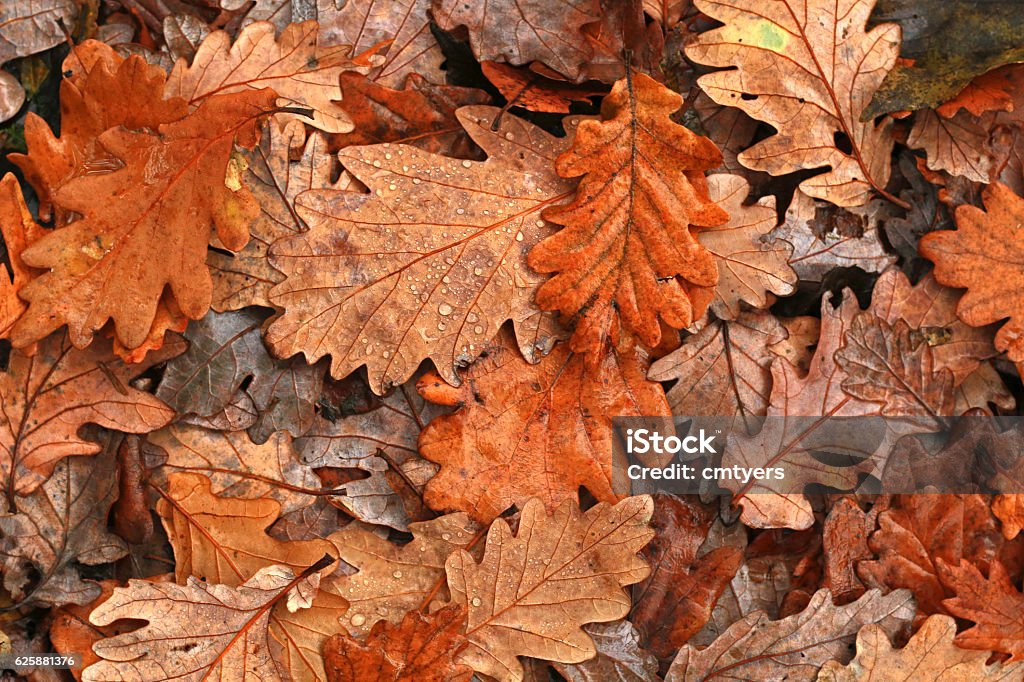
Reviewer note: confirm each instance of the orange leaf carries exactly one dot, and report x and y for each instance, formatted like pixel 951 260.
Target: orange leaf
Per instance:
pixel 19 230
pixel 630 234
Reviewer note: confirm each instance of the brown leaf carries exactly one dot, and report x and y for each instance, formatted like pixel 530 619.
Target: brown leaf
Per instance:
pixel 808 69
pixel 19 230
pixel 194 631
pixel 958 145
pixel 420 649
pixel 225 351
pixel 392 580
pixel 795 647
pixel 675 602
pixel 724 369
pixel 73 634
pixel 535 431
pixel 531 592
pixel 994 604
pixel 245 278
pixel 919 532
pixel 929 655
pixel 382 442
pixel 436 279
pixel 403 26
pixel 522 32
pixel 845 540
pixel 884 364
pixel 303 74
pixel 27 27
pixel 236 466
pixel 824 237
pixel 101 266
pixel 619 657
pixel 629 242
pixel 820 393
pixel 61 524
pixel 749 268
pixel 49 396
pixel 526 88
pixel 420 114
pixel 981 255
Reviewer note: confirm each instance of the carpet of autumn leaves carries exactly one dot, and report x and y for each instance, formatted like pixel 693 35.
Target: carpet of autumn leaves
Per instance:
pixel 316 313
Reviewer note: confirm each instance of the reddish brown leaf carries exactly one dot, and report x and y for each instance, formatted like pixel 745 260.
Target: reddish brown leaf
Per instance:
pixel 994 604
pixel 526 88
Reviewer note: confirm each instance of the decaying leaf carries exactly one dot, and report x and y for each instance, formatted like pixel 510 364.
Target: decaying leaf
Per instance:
pixel 49 396
pixel 522 32
pixel 724 369
pixel 535 431
pixel 993 604
pixel 620 658
pixel 629 248
pixel 794 647
pixel 194 631
pixel 224 352
pixel 303 74
pixel 929 655
pixel 19 229
pixel 982 256
pixel 750 268
pixel 63 522
pixel 27 27
pixel 436 279
pixel 959 145
pixel 532 591
pixel 809 69
pixel 420 649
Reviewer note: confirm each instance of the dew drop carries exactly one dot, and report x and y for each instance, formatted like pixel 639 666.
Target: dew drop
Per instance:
pixel 358 619
pixel 444 309
pixel 397 574
pixel 478 271
pixel 467 163
pixel 475 601
pixel 478 330
pixel 519 236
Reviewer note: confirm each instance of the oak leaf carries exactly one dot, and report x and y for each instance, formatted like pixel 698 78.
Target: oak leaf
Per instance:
pixel 724 369
pixel 535 91
pixel 929 655
pixel 225 541
pixel 72 633
pixel 619 658
pixel 993 604
pixel 532 591
pixel 959 145
pixel 809 69
pixel 630 235
pixel 392 580
pixel 982 256
pixel 62 523
pixel 294 65
pixel 421 114
pixel 675 601
pixel 194 631
pixel 794 647
pixel 19 229
pixel 225 351
pixel 535 431
pixel 750 269
pixel 369 285
pixel 522 32
pixel 401 28
pixel 246 277
pixel 420 649
pixel 49 396
pixel 153 202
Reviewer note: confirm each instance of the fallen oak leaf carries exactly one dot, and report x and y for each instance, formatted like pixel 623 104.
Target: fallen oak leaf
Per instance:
pixel 959 145
pixel 929 655
pixel 60 524
pixel 72 633
pixel 794 647
pixel 749 267
pixel 303 74
pixel 28 27
pixel 522 32
pixel 533 431
pixel 982 256
pixel 49 396
pixel 157 205
pixel 526 88
pixel 236 643
pixel 630 235
pixel 531 592
pixel 419 649
pixel 809 69
pixel 619 658
pixel 993 604
pixel 452 259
